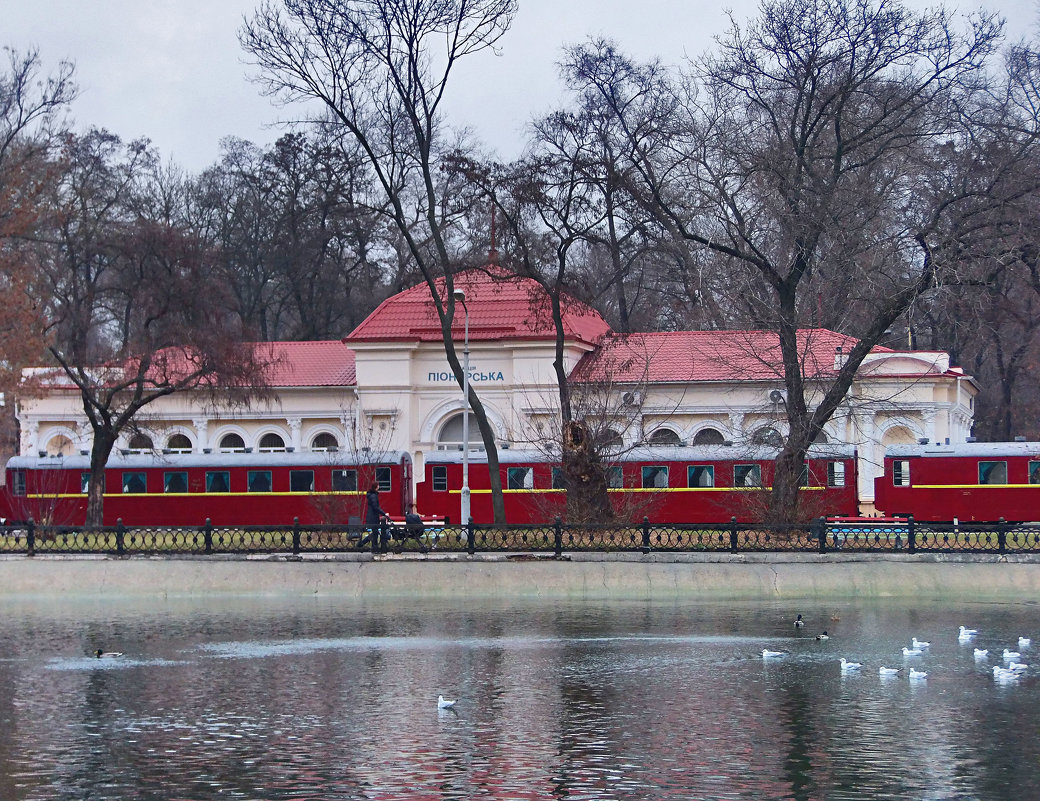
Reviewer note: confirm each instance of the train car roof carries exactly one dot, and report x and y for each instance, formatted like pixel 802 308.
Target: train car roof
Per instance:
pixel 687 453
pixel 976 449
pixel 171 461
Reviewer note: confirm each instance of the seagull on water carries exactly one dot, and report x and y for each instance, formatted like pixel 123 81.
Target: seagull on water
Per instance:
pixel 887 671
pixel 99 654
pixel 981 653
pixel 824 636
pixel 767 654
pixel 1019 666
pixel 1004 674
pixel 1024 642
pixel 798 622
pixel 444 703
pixel 850 665
pixel 918 644
pixel 965 633
pixel 912 651
pixel 1011 654
pixel 917 674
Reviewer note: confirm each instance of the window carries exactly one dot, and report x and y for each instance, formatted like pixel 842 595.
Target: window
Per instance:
pixel 747 475
pixel 232 442
pixel 324 442
pixel 84 482
pixel 519 478
pixel 258 481
pixel 141 443
pixel 700 475
pixel 901 473
pixel 803 478
pixel 769 437
pixel 134 482
pixel 440 478
pixel 708 436
pixel 558 482
pixel 655 476
pixel 1034 472
pixel 993 472
pixel 615 477
pixel 835 474
pixel 218 481
pixel 344 480
pixel 301 481
pixel 663 437
pixel 271 443
pixel 18 482
pixel 179 443
pixel 383 479
pixel 175 482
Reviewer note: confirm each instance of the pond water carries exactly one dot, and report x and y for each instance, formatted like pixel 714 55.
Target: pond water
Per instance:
pixel 325 699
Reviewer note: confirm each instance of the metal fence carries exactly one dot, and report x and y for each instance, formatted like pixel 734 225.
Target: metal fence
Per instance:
pixel 820 536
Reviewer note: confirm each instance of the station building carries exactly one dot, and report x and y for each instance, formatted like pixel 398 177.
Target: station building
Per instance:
pixel 387 386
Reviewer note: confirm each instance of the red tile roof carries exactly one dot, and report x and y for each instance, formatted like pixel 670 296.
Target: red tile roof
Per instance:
pixel 326 363
pixel 707 356
pixel 501 306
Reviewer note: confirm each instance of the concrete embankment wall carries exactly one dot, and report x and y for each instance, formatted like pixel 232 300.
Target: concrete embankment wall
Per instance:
pixel 578 576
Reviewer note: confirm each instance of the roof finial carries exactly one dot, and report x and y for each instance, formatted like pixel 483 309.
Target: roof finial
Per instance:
pixel 493 253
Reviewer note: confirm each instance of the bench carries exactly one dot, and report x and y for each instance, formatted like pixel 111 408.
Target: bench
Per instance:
pixel 429 533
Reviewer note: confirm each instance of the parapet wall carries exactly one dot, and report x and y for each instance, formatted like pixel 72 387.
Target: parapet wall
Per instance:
pixel 575 577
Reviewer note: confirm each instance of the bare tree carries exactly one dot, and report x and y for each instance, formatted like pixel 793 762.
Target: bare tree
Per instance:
pixel 834 155
pixel 379 69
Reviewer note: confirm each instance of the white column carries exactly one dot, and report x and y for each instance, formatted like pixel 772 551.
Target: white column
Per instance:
pixel 295 428
pixel 201 433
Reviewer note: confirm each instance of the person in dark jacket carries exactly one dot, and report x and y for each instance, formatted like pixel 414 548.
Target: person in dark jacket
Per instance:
pixel 374 514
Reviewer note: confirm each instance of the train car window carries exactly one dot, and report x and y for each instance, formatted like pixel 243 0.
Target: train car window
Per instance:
pixel 218 481
pixel 700 475
pixel 301 481
pixel 258 481
pixel 835 474
pixel 615 477
pixel 993 472
pixel 803 478
pixel 175 482
pixel 440 478
pixel 901 473
pixel 383 479
pixel 18 482
pixel 519 478
pixel 558 481
pixel 345 480
pixel 134 482
pixel 1034 472
pixel 747 475
pixel 84 482
pixel 655 476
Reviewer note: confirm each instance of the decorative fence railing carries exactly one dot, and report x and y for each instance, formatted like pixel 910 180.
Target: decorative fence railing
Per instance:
pixel 820 536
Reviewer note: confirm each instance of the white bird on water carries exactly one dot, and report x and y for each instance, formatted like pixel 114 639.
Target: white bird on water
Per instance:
pixel 1011 654
pixel 887 671
pixel 1019 666
pixel 823 636
pixel 1003 674
pixel 767 654
pixel 1024 642
pixel 981 653
pixel 917 674
pixel 798 623
pixel 444 703
pixel 916 643
pixel 967 633
pixel 850 665
pixel 912 651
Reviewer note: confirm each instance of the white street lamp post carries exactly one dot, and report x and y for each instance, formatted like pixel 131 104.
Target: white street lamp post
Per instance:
pixel 460 296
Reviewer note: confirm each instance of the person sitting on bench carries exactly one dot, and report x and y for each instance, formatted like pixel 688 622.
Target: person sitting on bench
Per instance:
pixel 414 528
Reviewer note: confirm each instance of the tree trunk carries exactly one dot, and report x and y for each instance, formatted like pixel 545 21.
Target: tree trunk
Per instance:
pixel 101 449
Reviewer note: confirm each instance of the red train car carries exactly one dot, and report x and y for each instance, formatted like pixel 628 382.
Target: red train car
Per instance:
pixel 972 482
pixel 230 489
pixel 695 484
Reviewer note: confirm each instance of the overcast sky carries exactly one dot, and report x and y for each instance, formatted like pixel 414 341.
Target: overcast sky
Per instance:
pixel 173 71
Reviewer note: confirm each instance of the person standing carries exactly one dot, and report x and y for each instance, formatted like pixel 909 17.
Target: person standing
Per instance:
pixel 374 514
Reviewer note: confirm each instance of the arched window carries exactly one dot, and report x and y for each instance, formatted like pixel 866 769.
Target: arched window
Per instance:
pixel 663 437
pixel 60 446
pixel 325 442
pixel 141 443
pixel 708 436
pixel 179 443
pixel 232 442
pixel 271 443
pixel 451 434
pixel 767 436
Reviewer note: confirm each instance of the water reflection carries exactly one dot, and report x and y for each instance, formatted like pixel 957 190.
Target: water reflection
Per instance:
pixel 318 699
